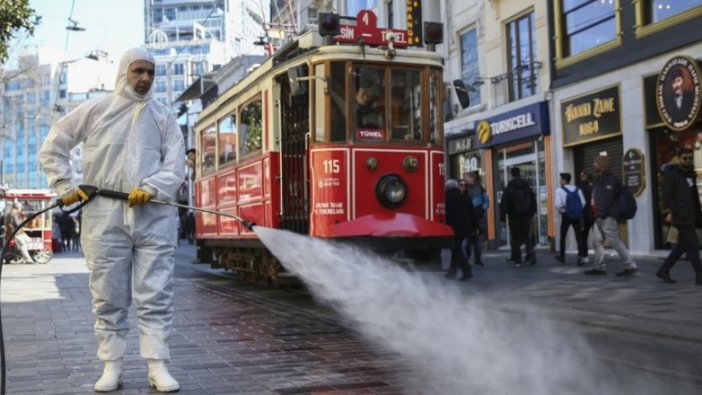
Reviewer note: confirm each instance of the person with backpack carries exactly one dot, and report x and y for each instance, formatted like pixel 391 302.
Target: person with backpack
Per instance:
pixel 518 204
pixel 480 202
pixel 606 191
pixel 682 199
pixel 570 203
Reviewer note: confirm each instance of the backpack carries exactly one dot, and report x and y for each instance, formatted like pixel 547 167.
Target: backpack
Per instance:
pixel 480 203
pixel 523 202
pixel 573 204
pixel 626 204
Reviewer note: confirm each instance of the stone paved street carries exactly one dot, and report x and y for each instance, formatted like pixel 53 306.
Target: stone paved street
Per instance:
pixel 233 338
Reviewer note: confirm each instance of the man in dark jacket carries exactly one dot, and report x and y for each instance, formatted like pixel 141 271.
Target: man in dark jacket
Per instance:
pixel 585 185
pixel 460 217
pixel 518 203
pixel 605 193
pixel 682 199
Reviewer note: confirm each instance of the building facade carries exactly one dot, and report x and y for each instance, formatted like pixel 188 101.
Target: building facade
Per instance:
pixel 626 84
pixel 189 38
pixel 42 88
pixel 496 57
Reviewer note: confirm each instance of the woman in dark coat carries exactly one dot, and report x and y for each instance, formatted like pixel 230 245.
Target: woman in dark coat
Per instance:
pixel 460 217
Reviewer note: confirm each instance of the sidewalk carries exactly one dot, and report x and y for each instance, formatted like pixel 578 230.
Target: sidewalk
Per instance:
pixel 229 339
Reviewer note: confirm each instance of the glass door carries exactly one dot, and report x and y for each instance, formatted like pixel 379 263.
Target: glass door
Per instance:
pixel 529 158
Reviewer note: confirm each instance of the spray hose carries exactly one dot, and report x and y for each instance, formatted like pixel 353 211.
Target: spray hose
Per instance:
pixel 92 192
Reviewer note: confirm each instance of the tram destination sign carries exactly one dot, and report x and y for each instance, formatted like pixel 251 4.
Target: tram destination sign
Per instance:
pixel 365 30
pixel 633 171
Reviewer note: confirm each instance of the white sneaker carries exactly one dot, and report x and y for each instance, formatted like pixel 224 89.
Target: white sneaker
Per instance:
pixel 111 376
pixel 160 378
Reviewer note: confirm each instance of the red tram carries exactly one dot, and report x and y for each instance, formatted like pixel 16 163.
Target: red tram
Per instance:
pixel 290 147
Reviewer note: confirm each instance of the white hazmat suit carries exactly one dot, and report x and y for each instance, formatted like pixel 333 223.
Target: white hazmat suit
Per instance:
pixel 129 141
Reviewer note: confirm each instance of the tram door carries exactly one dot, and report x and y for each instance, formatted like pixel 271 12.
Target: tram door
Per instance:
pixel 294 122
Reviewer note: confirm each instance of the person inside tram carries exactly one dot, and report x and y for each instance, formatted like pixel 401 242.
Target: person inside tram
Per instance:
pixel 368 112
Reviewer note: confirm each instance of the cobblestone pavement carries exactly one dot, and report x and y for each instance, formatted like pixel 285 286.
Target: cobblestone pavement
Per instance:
pixel 231 338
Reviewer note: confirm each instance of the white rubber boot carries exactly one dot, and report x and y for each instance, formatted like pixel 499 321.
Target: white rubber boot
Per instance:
pixel 159 376
pixel 111 376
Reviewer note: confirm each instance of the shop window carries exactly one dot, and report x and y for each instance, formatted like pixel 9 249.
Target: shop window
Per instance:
pixel 587 24
pixel 251 128
pixel 470 72
pixel 658 10
pixel 208 144
pixel 667 144
pixel 227 140
pixel 523 65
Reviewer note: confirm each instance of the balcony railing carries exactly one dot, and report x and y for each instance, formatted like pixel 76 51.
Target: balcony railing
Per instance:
pixel 514 85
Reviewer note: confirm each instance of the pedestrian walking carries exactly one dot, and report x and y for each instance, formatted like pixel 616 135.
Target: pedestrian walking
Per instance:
pixel 570 203
pixel 133 143
pixel 459 217
pixel 606 190
pixel 682 199
pixel 480 203
pixel 585 185
pixel 518 206
pixel 68 228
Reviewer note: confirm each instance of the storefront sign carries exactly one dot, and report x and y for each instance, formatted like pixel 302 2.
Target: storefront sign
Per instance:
pixel 459 145
pixel 633 171
pixel 678 93
pixel 592 116
pixel 528 121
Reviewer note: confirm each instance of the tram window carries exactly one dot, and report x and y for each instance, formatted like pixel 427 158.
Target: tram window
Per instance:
pixel 209 149
pixel 319 101
pixel 369 103
pixel 405 104
pixel 338 108
pixel 227 140
pixel 435 98
pixel 251 128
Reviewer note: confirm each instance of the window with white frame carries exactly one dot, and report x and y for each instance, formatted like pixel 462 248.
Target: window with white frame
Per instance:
pixel 523 65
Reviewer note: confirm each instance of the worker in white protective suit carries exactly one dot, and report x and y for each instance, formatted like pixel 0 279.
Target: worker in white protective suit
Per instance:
pixel 130 143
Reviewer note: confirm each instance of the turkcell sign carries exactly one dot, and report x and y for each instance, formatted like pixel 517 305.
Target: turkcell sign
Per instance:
pixel 512 124
pixel 519 124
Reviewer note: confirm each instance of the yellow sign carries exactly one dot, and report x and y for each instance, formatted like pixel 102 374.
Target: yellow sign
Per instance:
pixel 483 131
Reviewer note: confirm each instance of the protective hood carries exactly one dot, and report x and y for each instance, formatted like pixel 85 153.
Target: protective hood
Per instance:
pixel 122 87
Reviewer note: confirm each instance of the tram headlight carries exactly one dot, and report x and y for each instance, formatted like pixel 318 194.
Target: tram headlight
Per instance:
pixel 391 191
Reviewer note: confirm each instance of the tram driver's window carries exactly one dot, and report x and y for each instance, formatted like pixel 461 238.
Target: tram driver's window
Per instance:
pixel 227 140
pixel 251 128
pixel 369 103
pixel 405 105
pixel 209 149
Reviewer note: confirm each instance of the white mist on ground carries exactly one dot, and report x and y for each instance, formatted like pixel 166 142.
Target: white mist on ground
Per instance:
pixel 465 346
